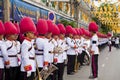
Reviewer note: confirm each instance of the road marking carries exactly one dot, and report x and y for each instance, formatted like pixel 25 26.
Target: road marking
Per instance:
pixel 103 65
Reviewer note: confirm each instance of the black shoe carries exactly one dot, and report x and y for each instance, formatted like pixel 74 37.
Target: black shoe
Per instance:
pixel 72 73
pixel 91 77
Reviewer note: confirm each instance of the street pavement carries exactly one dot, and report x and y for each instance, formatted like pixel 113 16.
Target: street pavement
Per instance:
pixel 109 67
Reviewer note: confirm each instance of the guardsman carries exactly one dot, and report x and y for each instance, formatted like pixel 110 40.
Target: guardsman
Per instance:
pixel 48 48
pixel 81 46
pixel 71 54
pixel 109 41
pixel 55 34
pixel 78 50
pixel 11 32
pixel 42 29
pixel 28 64
pixel 18 46
pixel 61 56
pixel 94 50
pixel 4 59
pixel 86 46
pixel 117 42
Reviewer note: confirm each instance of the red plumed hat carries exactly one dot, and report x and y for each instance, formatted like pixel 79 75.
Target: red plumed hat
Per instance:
pixel 50 25
pixel 61 28
pixel 83 30
pixel 55 30
pixel 109 34
pixel 27 25
pixel 10 28
pixel 80 31
pixel 87 33
pixel 17 26
pixel 42 27
pixel 21 37
pixel 74 31
pixel 93 27
pixel 99 34
pixel 2 28
pixel 77 30
pixel 69 30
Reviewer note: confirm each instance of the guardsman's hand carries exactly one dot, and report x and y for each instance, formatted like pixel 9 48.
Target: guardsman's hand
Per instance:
pixel 29 73
pixel 45 68
pixel 7 64
pixel 91 52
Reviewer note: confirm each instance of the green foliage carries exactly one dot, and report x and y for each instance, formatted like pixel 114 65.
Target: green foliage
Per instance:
pixel 53 5
pixel 96 20
pixel 104 28
pixel 66 22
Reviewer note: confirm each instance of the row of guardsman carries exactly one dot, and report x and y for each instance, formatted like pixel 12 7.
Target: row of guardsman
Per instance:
pixel 27 49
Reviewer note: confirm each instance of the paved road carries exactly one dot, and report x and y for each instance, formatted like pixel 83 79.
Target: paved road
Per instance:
pixel 109 67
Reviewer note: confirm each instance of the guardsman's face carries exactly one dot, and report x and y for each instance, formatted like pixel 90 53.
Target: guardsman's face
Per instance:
pixel 74 37
pixel 55 37
pixel 92 33
pixel 61 36
pixel 15 36
pixel 12 37
pixel 86 37
pixel 30 35
pixel 70 35
pixel 48 35
pixel 77 37
pixel 1 37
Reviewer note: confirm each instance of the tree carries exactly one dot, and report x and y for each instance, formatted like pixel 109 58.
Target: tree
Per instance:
pixel 66 22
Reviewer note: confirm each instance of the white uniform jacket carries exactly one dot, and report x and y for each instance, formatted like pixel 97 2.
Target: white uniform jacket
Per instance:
pixel 28 55
pixel 39 51
pixel 86 43
pixel 48 49
pixel 94 44
pixel 12 53
pixel 71 44
pixel 79 47
pixel 117 40
pixel 3 54
pixel 62 56
pixel 18 47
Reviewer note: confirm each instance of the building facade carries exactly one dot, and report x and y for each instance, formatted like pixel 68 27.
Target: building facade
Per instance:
pixel 49 9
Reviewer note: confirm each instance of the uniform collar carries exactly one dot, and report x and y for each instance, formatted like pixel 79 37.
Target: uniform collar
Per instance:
pixel 61 39
pixel 28 39
pixel 41 36
pixel 9 39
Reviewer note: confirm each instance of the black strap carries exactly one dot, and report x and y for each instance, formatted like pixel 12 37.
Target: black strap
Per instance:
pixel 38 53
pixel 50 40
pixel 12 55
pixel 1 56
pixel 10 47
pixel 94 42
pixel 40 50
pixel 32 58
pixel 30 48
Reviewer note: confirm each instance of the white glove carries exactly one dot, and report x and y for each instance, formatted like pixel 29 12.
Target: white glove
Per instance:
pixel 7 66
pixel 45 68
pixel 19 61
pixel 29 73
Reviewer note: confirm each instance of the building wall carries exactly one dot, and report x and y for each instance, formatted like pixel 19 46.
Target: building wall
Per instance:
pixel 42 9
